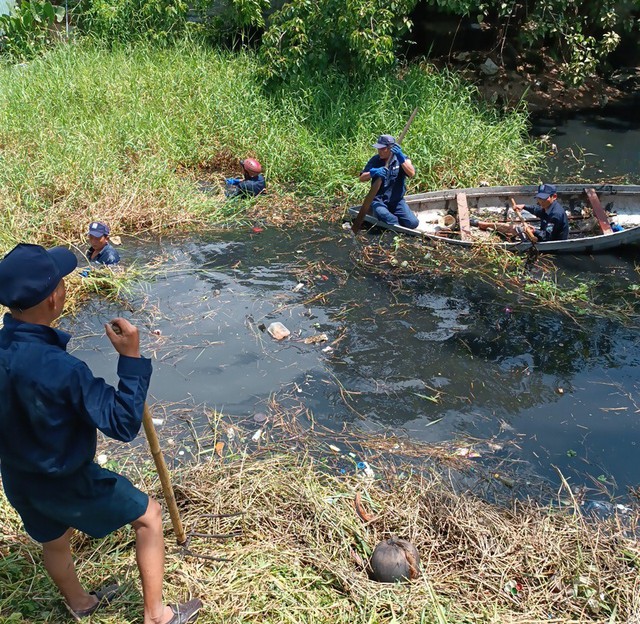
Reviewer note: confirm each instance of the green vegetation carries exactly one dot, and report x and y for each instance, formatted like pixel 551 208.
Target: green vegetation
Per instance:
pixel 125 135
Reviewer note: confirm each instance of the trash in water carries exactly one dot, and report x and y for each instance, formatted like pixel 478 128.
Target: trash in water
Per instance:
pixel 278 331
pixel 256 436
pixel 231 434
pixel 259 418
pixel 157 421
pixel 102 459
pixel 298 287
pixel 335 449
pixel 327 350
pixel 316 339
pixel 365 469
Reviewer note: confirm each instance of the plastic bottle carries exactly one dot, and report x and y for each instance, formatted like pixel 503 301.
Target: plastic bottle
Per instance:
pixel 365 469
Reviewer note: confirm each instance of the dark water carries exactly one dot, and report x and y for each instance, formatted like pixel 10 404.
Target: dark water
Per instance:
pixel 440 358
pixel 599 147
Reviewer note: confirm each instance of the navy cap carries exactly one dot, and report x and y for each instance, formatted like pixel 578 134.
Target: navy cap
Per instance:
pixel 384 140
pixel 30 273
pixel 545 191
pixel 98 229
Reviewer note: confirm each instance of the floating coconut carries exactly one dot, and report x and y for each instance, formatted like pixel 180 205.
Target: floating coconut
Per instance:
pixel 395 560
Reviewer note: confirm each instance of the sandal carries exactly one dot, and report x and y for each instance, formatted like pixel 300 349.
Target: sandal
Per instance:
pixel 104 595
pixel 185 612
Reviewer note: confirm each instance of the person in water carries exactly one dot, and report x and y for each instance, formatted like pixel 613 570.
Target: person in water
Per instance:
pixel 392 167
pixel 554 224
pixel 51 410
pixel 101 251
pixel 251 184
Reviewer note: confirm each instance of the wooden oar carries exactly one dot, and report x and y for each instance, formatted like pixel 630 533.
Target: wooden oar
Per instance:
pixel 376 184
pixel 529 234
pixel 161 468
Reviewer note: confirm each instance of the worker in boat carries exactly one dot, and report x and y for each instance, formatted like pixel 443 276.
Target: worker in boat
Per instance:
pixel 101 251
pixel 251 184
pixel 553 226
pixel 392 167
pixel 51 410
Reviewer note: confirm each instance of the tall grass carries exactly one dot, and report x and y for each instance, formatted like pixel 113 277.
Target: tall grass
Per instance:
pixel 124 134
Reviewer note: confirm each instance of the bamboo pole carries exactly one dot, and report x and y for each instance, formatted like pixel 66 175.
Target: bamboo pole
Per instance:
pixel 163 473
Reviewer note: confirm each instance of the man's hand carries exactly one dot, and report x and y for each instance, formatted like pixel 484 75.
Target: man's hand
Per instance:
pixel 397 150
pixel 378 172
pixel 124 337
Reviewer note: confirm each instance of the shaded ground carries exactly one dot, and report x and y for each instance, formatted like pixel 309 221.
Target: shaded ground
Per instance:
pixel 543 89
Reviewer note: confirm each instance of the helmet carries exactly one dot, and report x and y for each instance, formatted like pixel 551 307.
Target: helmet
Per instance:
pixel 251 165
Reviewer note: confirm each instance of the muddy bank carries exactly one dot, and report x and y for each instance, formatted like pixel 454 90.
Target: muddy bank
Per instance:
pixel 540 84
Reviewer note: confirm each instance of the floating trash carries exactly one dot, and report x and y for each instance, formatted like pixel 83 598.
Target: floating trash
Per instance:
pixel 102 459
pixel 278 331
pixel 256 436
pixel 365 469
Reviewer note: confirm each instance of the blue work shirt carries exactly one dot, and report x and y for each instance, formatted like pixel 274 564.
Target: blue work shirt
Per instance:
pixel 249 187
pixel 393 188
pixel 554 224
pixel 52 404
pixel 108 255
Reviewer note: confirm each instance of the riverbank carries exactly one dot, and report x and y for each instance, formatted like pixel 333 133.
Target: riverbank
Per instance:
pixel 299 536
pixel 144 137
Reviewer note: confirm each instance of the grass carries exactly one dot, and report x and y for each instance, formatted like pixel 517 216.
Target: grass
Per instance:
pixel 301 551
pixel 125 135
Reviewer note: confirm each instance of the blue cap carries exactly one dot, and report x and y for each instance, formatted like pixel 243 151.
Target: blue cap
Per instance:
pixel 384 140
pixel 30 273
pixel 98 229
pixel 545 191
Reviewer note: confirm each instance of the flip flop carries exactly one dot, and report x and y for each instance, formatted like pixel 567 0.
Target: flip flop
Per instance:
pixel 104 595
pixel 185 612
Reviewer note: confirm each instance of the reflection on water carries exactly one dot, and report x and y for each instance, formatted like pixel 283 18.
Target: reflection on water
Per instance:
pixel 591 146
pixel 439 357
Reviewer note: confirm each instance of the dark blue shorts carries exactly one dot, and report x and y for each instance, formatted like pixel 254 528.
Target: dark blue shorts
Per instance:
pixel 95 501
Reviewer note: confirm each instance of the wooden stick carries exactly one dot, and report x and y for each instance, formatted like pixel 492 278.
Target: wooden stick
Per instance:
pixel 525 225
pixel 161 468
pixel 163 473
pixel 376 184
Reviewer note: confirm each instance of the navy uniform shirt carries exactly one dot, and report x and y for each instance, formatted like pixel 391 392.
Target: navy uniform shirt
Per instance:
pixel 554 224
pixel 108 255
pixel 252 186
pixel 393 188
pixel 52 404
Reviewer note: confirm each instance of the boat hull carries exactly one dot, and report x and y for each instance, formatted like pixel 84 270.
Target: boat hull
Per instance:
pixel 430 208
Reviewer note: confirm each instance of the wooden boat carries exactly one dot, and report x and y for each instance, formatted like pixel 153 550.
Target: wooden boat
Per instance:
pixel 444 216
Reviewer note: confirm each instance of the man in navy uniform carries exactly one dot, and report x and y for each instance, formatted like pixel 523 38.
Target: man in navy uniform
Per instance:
pixel 51 409
pixel 253 182
pixel 101 249
pixel 554 224
pixel 393 167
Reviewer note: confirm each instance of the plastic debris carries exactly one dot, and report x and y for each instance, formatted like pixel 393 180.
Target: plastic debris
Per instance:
pixel 102 459
pixel 158 421
pixel 278 331
pixel 335 449
pixel 256 436
pixel 466 452
pixel 231 434
pixel 298 287
pixel 316 339
pixel 327 350
pixel 512 587
pixel 365 469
